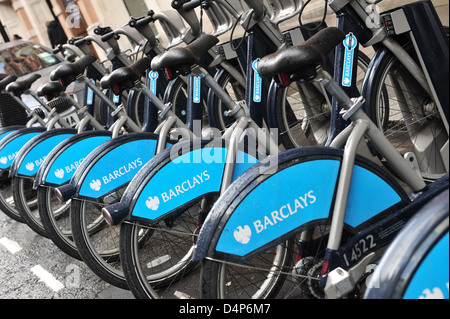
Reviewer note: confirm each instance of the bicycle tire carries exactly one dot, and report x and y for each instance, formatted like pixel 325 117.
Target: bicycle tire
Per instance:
pixel 88 231
pixel 300 280
pixel 25 198
pixel 291 118
pixel 7 204
pixel 177 95
pixel 216 110
pixel 408 115
pixel 98 243
pixel 162 265
pixel 55 217
pixel 145 260
pixel 211 273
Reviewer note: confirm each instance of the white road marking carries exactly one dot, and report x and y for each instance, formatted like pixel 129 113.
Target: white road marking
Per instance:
pixel 182 295
pixel 11 245
pixel 158 261
pixel 47 278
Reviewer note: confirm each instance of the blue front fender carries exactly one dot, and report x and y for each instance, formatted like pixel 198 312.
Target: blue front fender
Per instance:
pixel 13 143
pixel 62 162
pixel 172 181
pixel 112 165
pixel 258 211
pixel 32 155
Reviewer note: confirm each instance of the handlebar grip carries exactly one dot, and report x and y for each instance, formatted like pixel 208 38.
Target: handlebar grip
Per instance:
pixel 107 36
pixel 80 42
pixel 102 30
pixel 72 40
pixel 177 4
pixel 143 27
pixel 57 49
pixel 137 23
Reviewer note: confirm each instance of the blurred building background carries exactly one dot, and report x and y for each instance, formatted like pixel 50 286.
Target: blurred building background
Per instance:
pixel 29 18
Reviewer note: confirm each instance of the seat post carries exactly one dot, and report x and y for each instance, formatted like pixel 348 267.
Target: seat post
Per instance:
pixel 221 93
pixel 324 78
pixel 97 91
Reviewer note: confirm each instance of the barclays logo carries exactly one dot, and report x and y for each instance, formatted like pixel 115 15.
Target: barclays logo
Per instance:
pixel 435 293
pixel 59 173
pixel 5 159
pixel 243 234
pixel 153 203
pixel 96 185
pixel 30 167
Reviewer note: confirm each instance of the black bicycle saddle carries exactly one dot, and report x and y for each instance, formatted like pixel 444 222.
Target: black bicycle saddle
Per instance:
pixel 68 72
pixel 23 84
pixel 186 56
pixel 125 77
pixel 7 80
pixel 304 58
pixel 50 90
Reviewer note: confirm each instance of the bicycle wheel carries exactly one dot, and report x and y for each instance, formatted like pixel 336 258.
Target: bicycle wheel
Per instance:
pixel 303 111
pixel 216 111
pixel 162 266
pixel 281 260
pixel 7 204
pixel 177 95
pixel 259 278
pixel 157 258
pixel 55 217
pixel 408 115
pixel 97 243
pixel 25 198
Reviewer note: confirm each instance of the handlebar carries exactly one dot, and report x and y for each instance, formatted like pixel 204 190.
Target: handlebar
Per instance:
pixel 192 5
pixel 186 10
pixel 81 41
pixel 143 27
pixel 72 40
pixel 58 49
pixel 108 36
pixel 258 8
pixel 186 5
pixel 140 22
pixel 102 30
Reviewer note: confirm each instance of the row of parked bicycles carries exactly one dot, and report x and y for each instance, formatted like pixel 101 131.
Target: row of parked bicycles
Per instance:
pixel 280 164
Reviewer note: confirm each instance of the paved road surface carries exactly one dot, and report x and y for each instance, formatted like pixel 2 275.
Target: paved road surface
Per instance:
pixel 32 267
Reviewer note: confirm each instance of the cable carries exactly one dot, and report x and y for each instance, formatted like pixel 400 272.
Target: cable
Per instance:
pixel 321 22
pixel 245 29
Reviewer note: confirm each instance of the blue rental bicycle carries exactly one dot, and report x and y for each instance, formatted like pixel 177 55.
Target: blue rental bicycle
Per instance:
pixel 304 237
pixel 13 138
pixel 98 250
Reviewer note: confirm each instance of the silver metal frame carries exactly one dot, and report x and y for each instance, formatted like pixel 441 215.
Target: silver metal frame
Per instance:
pixel 354 134
pixel 417 70
pixel 234 133
pixel 116 110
